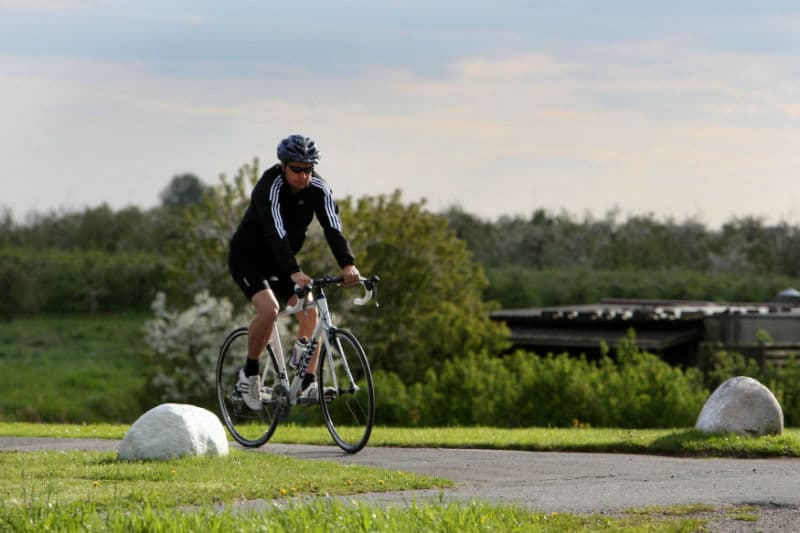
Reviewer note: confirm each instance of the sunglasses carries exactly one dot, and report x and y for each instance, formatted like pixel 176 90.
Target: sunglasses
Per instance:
pixel 301 170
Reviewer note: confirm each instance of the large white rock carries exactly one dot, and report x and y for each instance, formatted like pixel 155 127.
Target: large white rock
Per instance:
pixel 173 430
pixel 744 406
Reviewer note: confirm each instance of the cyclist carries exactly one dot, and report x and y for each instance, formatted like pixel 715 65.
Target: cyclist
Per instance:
pixel 262 257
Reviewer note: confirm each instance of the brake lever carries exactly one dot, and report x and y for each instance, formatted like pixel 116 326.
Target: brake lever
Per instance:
pixel 302 299
pixel 362 300
pixel 375 288
pixel 370 286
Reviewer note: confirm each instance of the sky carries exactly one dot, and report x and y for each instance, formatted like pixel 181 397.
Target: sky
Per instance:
pixel 681 109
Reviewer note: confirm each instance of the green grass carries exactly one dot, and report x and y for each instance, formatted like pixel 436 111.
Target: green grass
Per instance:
pixel 686 442
pixel 80 491
pixel 58 369
pixel 673 510
pixel 331 516
pixel 75 476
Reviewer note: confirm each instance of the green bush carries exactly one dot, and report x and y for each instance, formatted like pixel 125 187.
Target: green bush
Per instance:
pixel 396 404
pixel 632 389
pixel 785 385
pixel 14 284
pixel 186 346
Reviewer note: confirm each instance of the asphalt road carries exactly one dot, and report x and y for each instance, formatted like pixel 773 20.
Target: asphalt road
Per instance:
pixel 549 481
pixel 580 482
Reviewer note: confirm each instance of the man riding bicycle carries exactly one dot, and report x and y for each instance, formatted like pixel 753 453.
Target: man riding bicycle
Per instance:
pixel 262 257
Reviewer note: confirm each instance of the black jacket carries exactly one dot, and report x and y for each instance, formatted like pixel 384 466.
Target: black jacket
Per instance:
pixel 277 219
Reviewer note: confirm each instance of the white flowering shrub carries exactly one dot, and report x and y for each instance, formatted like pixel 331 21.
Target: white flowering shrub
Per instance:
pixel 186 345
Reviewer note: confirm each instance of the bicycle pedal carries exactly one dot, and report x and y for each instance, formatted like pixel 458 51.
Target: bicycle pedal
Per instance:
pixel 307 401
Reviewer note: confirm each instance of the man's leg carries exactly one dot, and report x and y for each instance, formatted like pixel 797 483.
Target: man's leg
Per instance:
pixel 261 326
pixel 306 322
pixel 258 335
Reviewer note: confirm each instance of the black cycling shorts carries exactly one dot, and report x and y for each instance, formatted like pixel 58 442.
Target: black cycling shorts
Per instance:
pixel 256 272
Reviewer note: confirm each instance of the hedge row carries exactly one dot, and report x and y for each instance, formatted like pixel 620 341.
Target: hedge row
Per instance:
pixel 632 389
pixel 57 281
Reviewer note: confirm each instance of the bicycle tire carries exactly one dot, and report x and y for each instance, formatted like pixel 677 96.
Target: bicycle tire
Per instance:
pixel 349 413
pixel 249 428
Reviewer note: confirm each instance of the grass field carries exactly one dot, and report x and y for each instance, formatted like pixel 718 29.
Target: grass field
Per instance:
pixel 60 369
pixel 93 491
pixel 85 491
pixel 73 476
pixel 683 442
pixel 335 516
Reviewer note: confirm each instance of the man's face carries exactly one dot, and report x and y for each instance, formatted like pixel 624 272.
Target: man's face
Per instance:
pixel 298 175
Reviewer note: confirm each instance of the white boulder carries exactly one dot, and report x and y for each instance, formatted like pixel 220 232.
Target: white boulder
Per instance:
pixel 173 430
pixel 741 405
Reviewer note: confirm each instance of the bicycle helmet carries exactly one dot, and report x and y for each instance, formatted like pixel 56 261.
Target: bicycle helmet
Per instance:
pixel 298 149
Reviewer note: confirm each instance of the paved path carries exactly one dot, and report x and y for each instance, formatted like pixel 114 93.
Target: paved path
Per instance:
pixel 550 481
pixel 581 482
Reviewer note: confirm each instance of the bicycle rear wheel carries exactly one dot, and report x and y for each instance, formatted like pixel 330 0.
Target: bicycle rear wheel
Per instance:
pixel 347 396
pixel 249 428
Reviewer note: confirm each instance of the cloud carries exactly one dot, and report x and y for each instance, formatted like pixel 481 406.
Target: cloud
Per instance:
pixel 661 125
pixel 46 5
pixel 792 111
pixel 513 67
pixel 53 5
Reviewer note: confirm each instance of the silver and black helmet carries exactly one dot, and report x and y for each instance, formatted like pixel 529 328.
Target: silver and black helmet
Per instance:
pixel 299 149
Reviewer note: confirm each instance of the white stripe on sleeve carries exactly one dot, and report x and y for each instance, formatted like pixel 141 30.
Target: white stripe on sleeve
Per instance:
pixel 274 198
pixel 330 206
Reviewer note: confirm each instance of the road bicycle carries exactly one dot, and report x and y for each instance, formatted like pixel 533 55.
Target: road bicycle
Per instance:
pixel 345 391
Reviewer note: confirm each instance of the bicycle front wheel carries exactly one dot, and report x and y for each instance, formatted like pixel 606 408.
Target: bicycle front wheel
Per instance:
pixel 249 427
pixel 347 396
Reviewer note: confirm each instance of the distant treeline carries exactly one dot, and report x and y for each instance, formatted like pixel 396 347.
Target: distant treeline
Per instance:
pixel 101 259
pixel 553 259
pixel 97 260
pixel 98 229
pixel 546 241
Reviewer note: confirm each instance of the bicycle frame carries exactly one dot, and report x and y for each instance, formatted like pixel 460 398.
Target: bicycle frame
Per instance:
pixel 319 335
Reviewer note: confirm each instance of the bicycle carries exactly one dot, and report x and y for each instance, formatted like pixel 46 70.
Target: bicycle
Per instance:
pixel 344 380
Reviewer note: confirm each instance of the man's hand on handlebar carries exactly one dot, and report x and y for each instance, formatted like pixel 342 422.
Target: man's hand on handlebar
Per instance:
pixel 300 279
pixel 350 274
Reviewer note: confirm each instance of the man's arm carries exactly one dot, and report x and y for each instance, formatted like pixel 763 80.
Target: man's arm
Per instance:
pixel 328 215
pixel 266 202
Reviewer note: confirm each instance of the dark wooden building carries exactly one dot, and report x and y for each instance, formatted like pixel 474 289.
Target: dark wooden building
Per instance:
pixel 677 330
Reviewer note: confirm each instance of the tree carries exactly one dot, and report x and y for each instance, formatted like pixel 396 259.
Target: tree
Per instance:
pixel 430 296
pixel 198 261
pixel 183 190
pixel 479 235
pixel 431 307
